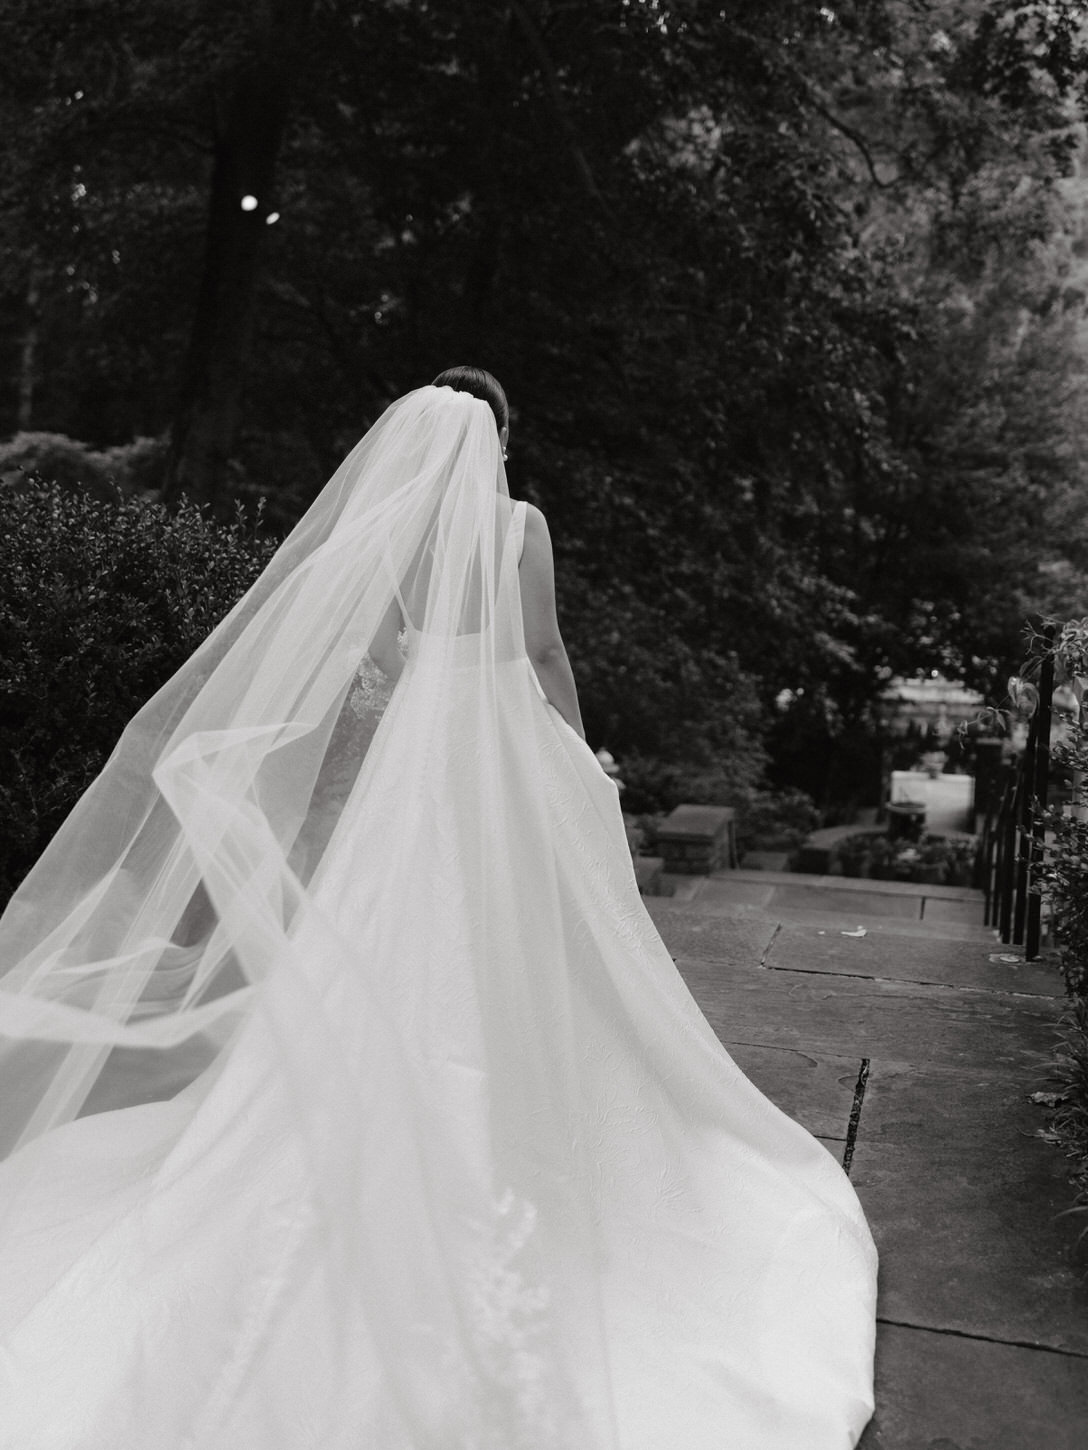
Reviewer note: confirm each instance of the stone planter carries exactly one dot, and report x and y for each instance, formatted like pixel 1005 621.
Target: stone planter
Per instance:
pixel 696 840
pixel 906 820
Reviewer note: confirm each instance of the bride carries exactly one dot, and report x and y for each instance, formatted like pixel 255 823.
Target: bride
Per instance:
pixel 350 1099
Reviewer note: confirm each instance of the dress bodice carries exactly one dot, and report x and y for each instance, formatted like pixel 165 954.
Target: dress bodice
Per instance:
pixel 464 649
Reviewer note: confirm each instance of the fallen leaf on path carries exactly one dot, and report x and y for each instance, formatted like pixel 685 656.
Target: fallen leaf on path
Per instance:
pixel 1048 1100
pixel 1005 957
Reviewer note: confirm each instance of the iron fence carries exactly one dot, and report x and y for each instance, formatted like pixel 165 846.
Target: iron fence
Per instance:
pixel 1012 837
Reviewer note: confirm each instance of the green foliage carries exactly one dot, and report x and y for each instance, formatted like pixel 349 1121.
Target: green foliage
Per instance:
pixel 1071 648
pixel 1063 879
pixel 66 461
pixel 937 860
pixel 134 467
pixel 100 602
pixel 769 820
pixel 1063 882
pixel 788 299
pixel 655 785
pixel 1068 1127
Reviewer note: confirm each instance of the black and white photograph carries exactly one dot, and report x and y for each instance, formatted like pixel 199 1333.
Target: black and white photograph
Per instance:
pixel 543 745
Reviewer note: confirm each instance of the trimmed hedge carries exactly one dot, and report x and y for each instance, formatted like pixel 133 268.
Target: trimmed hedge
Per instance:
pixel 101 601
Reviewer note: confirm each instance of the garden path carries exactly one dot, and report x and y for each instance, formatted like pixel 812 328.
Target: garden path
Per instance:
pixel 911 1052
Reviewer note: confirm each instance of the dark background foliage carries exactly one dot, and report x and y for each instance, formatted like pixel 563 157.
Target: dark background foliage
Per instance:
pixel 100 602
pixel 789 300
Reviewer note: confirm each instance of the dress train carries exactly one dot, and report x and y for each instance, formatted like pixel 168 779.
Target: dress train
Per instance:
pixel 474 1174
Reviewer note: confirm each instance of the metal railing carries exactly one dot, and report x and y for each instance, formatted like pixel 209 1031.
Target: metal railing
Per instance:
pixel 1012 840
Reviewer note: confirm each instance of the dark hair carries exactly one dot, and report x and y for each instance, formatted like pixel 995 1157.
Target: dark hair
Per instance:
pixel 481 385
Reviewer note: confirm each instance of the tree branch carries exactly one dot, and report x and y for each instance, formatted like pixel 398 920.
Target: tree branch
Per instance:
pixel 853 136
pixel 822 108
pixel 559 107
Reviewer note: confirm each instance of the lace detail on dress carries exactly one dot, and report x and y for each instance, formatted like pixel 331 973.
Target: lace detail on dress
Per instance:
pixel 372 689
pixel 351 738
pixel 510 1327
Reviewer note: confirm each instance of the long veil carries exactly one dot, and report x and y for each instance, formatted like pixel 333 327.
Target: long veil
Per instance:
pixel 187 898
pixel 424 1143
pixel 183 872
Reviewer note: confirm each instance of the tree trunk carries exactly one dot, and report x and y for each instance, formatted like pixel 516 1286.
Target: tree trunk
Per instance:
pixel 251 110
pixel 28 358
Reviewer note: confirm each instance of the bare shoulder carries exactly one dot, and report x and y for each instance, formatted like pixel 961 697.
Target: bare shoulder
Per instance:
pixel 536 525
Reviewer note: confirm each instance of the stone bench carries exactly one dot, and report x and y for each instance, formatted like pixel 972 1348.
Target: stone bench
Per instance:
pixel 696 840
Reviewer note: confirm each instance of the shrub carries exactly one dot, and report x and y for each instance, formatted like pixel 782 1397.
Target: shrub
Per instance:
pixel 100 602
pixel 936 860
pixel 69 463
pixel 655 786
pixel 1068 1128
pixel 1064 877
pixel 684 721
pixel 136 467
pixel 129 467
pixel 1063 882
pixel 775 820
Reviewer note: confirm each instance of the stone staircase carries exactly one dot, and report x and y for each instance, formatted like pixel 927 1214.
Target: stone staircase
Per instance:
pixel 889 1021
pixel 950 912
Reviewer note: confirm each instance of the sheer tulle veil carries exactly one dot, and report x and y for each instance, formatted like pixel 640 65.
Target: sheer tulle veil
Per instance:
pixel 423 1143
pixel 242 885
pixel 184 872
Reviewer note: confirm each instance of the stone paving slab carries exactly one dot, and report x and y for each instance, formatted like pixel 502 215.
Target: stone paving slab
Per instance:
pixel 741 939
pixel 843 917
pixel 962 1194
pixel 943 1392
pixel 816 1090
pixel 835 1146
pixel 963 1198
pixel 798 947
pixel 873 902
pixel 680 888
pixel 857 1017
pixel 724 895
pixel 836 921
pixel 963 913
pixel 721 894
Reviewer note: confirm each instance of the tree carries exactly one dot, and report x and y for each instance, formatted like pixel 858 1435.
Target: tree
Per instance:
pixel 764 286
pixel 249 103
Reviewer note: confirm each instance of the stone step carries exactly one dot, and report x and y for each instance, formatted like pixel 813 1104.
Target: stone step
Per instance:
pixel 649 871
pixel 849 883
pixel 766 861
pixel 829 946
pixel 838 921
pixel 956 914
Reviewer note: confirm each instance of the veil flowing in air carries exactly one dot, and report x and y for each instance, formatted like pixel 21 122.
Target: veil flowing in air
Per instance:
pixel 182 875
pixel 189 879
pixel 422 1142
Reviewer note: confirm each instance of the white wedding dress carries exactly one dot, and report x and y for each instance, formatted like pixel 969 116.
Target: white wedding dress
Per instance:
pixel 473 1173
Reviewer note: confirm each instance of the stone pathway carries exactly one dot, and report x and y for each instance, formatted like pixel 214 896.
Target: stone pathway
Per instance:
pixel 910 1051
